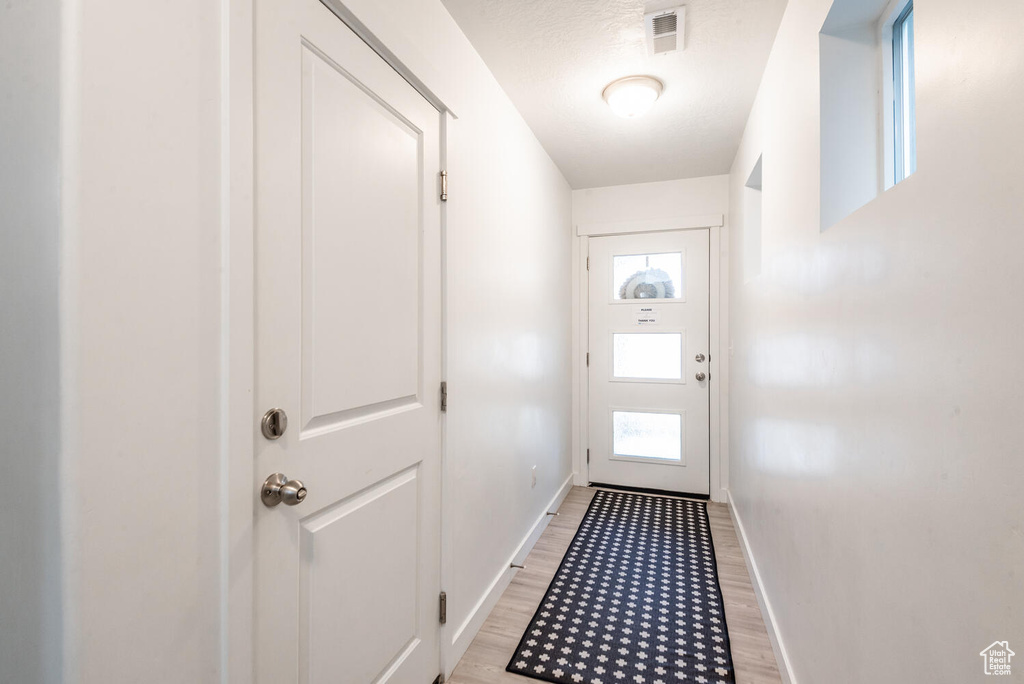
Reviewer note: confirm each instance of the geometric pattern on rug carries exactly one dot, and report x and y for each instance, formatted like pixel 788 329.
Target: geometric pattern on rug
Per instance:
pixel 636 600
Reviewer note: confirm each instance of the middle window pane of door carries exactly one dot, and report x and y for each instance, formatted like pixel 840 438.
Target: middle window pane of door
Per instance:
pixel 650 356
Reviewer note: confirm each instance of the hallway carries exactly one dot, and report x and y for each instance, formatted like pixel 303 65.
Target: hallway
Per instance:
pixel 486 658
pixel 311 312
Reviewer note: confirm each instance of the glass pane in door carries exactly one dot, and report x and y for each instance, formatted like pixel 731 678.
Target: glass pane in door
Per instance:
pixel 653 356
pixel 648 276
pixel 647 435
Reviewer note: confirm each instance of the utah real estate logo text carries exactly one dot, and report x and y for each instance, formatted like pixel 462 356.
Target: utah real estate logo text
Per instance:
pixel 997 658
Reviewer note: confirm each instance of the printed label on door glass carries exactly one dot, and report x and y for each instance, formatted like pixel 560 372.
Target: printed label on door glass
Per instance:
pixel 654 356
pixel 648 276
pixel 656 436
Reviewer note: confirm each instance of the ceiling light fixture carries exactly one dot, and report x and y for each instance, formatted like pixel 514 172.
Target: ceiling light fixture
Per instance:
pixel 632 96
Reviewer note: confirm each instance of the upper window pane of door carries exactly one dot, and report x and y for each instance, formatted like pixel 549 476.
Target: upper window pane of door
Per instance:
pixel 648 276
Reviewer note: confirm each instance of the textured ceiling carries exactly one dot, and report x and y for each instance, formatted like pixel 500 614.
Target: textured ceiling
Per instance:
pixel 554 58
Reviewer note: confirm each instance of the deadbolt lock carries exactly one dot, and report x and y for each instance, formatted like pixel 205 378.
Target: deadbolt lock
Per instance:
pixel 274 423
pixel 700 358
pixel 279 489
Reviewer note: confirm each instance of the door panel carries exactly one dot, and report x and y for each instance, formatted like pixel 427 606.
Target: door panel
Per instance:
pixel 378 524
pixel 348 344
pixel 649 414
pixel 361 246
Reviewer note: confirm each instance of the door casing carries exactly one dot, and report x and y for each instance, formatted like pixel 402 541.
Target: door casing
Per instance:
pixel 719 367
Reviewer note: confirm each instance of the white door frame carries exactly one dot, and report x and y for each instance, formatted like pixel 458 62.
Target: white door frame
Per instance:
pixel 718 369
pixel 237 287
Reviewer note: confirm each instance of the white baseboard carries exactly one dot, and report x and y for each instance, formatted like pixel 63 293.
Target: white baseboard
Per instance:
pixel 781 656
pixel 463 636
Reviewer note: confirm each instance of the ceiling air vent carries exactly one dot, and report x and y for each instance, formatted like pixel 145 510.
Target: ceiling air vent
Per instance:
pixel 664 29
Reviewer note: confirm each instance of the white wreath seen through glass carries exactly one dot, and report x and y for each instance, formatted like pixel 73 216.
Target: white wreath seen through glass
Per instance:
pixel 648 276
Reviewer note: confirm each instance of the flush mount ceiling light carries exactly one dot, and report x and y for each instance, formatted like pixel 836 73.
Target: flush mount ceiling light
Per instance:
pixel 632 96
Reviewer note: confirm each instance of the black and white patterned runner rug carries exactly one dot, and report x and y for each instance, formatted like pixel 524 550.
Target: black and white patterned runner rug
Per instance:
pixel 636 600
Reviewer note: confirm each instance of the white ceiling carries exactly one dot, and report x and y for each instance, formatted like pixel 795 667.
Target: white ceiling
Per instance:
pixel 554 58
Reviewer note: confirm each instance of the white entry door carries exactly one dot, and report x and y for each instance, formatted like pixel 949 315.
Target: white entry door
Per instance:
pixel 649 365
pixel 348 345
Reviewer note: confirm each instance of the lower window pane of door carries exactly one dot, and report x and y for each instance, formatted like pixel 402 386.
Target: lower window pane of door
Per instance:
pixel 647 435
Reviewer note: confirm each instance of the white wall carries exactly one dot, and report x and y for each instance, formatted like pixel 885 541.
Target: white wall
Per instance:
pixel 876 393
pixel 850 103
pixel 508 310
pixel 141 340
pixel 149 133
pixel 30 587
pixel 649 201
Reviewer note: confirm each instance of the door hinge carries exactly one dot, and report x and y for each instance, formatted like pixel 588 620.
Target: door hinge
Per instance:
pixel 444 608
pixel 588 263
pixel 588 456
pixel 444 186
pixel 444 396
pixel 588 359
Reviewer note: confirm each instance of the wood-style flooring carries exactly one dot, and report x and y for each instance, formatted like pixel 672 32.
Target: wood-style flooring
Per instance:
pixel 486 658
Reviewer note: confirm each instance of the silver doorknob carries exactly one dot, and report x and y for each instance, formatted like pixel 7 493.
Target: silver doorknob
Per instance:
pixel 701 377
pixel 279 489
pixel 700 358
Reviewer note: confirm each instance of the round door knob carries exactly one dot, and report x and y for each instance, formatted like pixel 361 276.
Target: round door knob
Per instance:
pixel 701 377
pixel 279 489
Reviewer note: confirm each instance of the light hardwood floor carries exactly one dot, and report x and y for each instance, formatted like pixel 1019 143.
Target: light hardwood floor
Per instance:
pixel 487 656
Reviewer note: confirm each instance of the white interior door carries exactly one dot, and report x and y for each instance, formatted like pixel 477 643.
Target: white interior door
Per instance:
pixel 348 344
pixel 649 361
